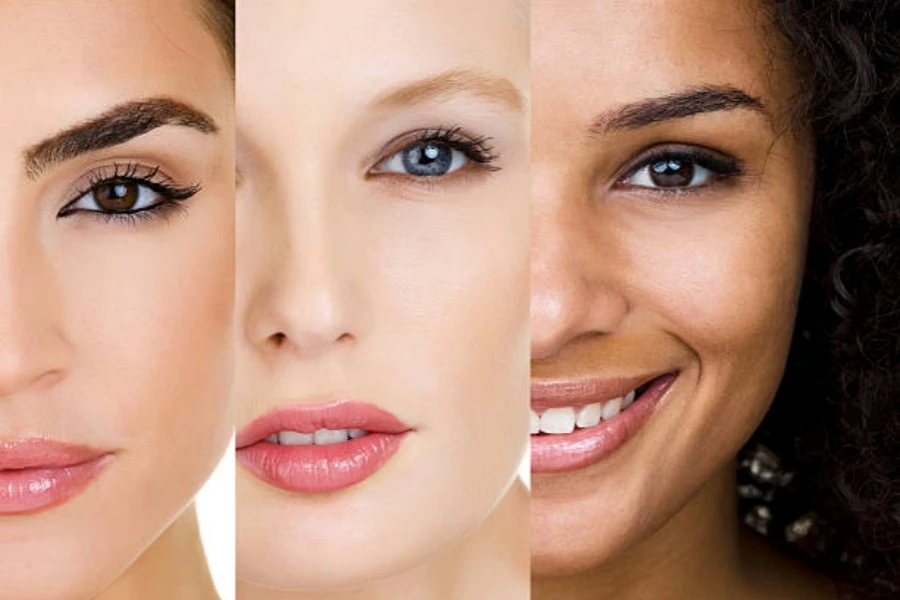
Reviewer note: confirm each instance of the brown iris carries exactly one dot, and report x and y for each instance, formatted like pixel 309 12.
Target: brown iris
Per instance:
pixel 672 173
pixel 117 196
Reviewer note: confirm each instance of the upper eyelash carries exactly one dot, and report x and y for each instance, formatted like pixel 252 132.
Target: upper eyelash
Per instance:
pixel 478 149
pixel 723 166
pixel 130 173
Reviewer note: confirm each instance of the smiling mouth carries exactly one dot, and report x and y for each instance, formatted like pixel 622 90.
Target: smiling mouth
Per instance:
pixel 566 419
pixel 577 423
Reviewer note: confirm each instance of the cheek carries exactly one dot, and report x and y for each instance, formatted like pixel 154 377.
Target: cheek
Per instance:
pixel 726 286
pixel 454 304
pixel 150 312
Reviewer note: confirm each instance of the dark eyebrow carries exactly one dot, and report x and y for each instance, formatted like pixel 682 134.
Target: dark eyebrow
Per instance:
pixel 113 127
pixel 676 106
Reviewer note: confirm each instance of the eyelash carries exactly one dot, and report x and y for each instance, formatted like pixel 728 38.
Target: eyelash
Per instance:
pixel 171 195
pixel 477 150
pixel 723 168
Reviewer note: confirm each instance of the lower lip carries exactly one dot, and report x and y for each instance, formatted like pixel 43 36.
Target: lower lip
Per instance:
pixel 317 469
pixel 584 447
pixel 33 489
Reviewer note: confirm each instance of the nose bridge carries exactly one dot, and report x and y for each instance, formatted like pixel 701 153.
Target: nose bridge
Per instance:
pixel 575 286
pixel 32 343
pixel 312 298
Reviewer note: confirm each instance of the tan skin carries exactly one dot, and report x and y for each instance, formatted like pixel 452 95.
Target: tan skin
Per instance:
pixel 114 331
pixel 630 278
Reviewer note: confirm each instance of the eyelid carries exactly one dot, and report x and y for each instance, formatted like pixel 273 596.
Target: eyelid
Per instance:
pixel 721 164
pixel 442 134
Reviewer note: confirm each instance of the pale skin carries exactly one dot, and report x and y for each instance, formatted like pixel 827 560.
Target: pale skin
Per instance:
pixel 628 279
pixel 378 286
pixel 114 332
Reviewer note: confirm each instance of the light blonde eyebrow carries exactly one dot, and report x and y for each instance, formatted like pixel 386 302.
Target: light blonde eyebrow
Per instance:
pixel 452 83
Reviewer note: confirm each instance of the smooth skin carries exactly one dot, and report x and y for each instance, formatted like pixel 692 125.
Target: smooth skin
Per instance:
pixel 629 279
pixel 358 280
pixel 114 333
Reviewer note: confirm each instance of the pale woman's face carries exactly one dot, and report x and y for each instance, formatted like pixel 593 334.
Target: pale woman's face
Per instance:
pixel 671 207
pixel 382 266
pixel 116 282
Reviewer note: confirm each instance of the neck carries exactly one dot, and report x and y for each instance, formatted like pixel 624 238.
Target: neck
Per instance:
pixel 173 567
pixel 491 562
pixel 696 554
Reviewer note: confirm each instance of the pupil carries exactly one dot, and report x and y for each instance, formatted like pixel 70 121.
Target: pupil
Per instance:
pixel 672 173
pixel 427 159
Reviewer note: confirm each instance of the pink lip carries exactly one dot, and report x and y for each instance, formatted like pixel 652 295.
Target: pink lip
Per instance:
pixel 36 474
pixel 584 447
pixel 316 469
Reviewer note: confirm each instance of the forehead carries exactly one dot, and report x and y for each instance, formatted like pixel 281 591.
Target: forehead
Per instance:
pixel 344 51
pixel 609 52
pixel 65 61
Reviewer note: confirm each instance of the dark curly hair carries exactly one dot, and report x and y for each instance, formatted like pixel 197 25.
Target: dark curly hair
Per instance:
pixel 821 477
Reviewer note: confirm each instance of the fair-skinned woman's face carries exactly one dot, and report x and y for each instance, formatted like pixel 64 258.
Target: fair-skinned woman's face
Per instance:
pixel 669 228
pixel 383 240
pixel 116 283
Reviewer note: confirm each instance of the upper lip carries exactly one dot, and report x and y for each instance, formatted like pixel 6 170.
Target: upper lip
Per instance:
pixel 307 418
pixel 42 453
pixel 556 393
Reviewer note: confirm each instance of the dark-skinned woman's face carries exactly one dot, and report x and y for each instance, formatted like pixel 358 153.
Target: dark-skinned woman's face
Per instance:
pixel 671 208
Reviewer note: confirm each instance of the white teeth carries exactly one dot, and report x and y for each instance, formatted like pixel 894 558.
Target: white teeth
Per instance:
pixel 294 438
pixel 612 408
pixel 566 419
pixel 589 415
pixel 629 398
pixel 534 423
pixel 558 420
pixel 324 437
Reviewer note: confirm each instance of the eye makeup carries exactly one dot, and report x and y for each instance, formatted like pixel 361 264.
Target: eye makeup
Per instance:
pixel 435 154
pixel 678 169
pixel 127 193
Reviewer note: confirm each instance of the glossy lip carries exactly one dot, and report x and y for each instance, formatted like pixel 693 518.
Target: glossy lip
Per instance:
pixel 584 447
pixel 37 474
pixel 317 469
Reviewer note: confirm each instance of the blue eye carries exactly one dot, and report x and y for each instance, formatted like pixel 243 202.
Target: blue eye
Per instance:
pixel 425 159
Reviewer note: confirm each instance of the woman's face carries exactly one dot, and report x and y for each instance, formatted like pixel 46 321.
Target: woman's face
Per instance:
pixel 114 316
pixel 669 226
pixel 383 241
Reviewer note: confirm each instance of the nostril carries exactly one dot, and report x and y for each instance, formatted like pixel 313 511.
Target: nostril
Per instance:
pixel 278 339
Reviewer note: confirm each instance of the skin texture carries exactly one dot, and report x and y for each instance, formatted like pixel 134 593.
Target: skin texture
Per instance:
pixel 411 295
pixel 629 281
pixel 114 334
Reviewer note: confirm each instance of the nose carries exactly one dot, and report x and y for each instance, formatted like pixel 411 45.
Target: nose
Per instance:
pixel 575 261
pixel 33 347
pixel 306 297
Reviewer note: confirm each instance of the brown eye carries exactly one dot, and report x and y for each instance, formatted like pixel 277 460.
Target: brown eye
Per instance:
pixel 117 196
pixel 671 173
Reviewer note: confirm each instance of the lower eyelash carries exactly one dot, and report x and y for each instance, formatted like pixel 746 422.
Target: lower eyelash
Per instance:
pixel 164 210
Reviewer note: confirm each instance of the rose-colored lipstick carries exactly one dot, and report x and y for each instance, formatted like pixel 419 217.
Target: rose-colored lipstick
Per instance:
pixel 312 468
pixel 36 474
pixel 584 447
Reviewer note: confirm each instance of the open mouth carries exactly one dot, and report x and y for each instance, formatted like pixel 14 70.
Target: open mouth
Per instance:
pixel 577 423
pixel 320 448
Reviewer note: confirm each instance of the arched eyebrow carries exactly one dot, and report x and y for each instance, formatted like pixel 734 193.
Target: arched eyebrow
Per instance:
pixel 651 111
pixel 457 81
pixel 115 126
